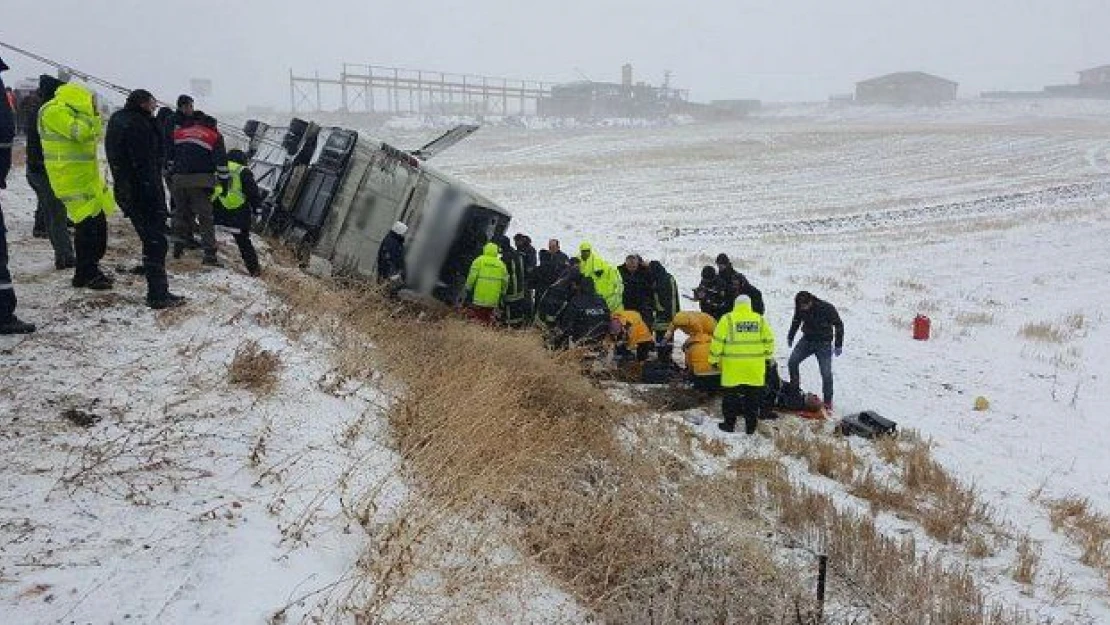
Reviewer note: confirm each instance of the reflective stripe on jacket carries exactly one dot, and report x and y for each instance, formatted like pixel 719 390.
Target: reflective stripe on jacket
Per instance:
pixel 70 126
pixel 742 344
pixel 235 197
pixel 488 279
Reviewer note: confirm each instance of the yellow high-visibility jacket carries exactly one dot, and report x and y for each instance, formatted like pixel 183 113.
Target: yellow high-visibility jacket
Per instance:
pixel 488 279
pixel 70 127
pixel 742 344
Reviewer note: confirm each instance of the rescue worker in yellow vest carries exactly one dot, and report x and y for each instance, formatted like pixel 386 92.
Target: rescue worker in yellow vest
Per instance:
pixel 698 328
pixel 742 345
pixel 70 127
pixel 234 210
pixel 486 285
pixel 634 335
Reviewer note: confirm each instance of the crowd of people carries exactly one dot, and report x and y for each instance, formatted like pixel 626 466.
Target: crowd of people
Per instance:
pixel 149 150
pixel 583 300
pixel 635 310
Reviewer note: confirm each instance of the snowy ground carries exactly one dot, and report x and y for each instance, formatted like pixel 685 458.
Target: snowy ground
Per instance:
pixel 182 498
pixel 987 218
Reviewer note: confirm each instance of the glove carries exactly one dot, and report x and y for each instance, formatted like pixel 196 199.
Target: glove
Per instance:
pixel 838 351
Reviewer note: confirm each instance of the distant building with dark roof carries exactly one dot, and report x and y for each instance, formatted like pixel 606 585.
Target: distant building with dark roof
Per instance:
pixel 906 88
pixel 1095 76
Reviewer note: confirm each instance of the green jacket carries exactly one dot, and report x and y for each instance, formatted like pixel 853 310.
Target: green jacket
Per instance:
pixel 488 279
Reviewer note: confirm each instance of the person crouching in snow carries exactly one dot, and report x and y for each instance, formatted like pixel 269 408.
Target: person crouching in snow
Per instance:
pixel 235 209
pixel 742 345
pixel 632 335
pixel 699 328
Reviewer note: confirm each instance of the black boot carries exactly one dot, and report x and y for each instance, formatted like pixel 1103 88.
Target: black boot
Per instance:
pixel 169 300
pixel 210 260
pixel 749 425
pixel 727 427
pixel 178 250
pixel 15 326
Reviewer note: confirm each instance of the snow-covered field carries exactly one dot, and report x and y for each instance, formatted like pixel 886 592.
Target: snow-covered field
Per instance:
pixel 992 220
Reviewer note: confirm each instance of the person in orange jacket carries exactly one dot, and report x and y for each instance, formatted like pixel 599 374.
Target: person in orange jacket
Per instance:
pixel 633 335
pixel 698 328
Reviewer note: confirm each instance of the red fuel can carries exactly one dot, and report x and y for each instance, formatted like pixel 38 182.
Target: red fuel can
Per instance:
pixel 921 326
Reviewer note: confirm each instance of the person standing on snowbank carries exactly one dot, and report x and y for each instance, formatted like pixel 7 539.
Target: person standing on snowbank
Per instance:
pixel 742 345
pixel 133 145
pixel 70 128
pixel 822 336
pixel 9 323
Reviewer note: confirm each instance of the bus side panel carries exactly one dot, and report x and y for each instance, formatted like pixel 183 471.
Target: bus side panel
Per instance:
pixel 376 205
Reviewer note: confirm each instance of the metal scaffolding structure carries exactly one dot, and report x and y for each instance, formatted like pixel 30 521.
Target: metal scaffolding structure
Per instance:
pixel 380 89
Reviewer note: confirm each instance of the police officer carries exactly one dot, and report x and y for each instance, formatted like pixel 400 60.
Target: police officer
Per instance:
pixel 742 345
pixel 70 127
pixel 235 208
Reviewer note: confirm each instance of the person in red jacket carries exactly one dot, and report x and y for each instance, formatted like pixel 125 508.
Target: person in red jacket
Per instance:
pixel 199 165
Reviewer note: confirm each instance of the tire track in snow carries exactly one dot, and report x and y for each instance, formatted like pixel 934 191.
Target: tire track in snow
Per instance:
pixel 989 206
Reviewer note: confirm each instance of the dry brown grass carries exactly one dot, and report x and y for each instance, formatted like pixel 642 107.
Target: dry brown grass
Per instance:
pixel 947 509
pixel 969 319
pixel 911 285
pixel 1087 527
pixel 491 427
pixel 254 368
pixel 1044 332
pixel 1027 562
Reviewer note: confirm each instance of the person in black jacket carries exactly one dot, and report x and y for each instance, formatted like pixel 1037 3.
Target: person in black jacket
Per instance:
pixel 198 165
pixel 235 208
pixel 585 319
pixel 822 336
pixel 638 294
pixel 711 294
pixel 737 284
pixel 516 307
pixel 9 323
pixel 52 211
pixel 391 254
pixel 133 144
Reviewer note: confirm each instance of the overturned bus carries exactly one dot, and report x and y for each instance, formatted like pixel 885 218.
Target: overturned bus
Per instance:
pixel 333 195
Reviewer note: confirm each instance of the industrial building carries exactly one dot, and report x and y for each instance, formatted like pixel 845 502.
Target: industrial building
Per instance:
pixel 599 100
pixel 1093 83
pixel 906 88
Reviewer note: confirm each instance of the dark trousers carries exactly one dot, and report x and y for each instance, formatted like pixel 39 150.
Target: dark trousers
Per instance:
pixel 7 290
pixel 151 228
pixel 742 401
pixel 192 206
pixel 90 240
pixel 823 350
pixel 54 217
pixel 247 251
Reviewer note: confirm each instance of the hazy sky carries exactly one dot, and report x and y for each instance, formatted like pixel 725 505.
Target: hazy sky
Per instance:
pixel 766 49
